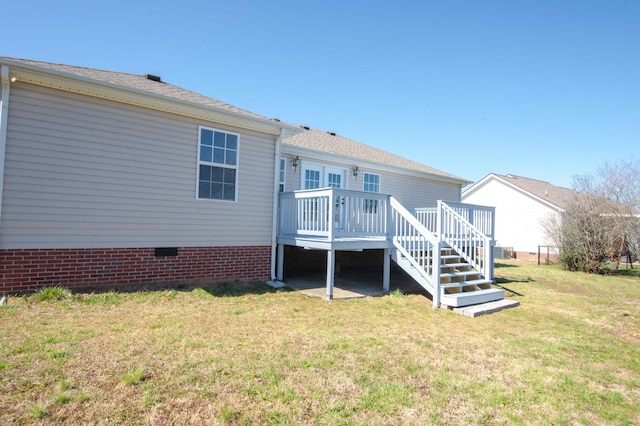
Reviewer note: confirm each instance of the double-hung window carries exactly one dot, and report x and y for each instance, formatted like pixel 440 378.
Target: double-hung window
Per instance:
pixel 371 183
pixel 217 165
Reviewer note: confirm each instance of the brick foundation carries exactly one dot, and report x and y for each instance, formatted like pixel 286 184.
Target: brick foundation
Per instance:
pixel 26 270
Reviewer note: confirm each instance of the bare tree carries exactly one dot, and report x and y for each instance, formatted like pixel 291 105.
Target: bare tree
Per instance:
pixel 601 218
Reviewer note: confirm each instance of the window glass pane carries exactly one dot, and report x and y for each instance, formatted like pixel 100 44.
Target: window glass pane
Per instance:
pixel 206 137
pixel 229 192
pixel 216 191
pixel 205 153
pixel 216 174
pixel 218 155
pixel 334 180
pixel 232 142
pixel 204 189
pixel 205 173
pixel 311 179
pixel 219 139
pixel 231 157
pixel 229 176
pixel 371 182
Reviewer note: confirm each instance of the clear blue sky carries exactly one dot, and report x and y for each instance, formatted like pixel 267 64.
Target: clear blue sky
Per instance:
pixel 546 89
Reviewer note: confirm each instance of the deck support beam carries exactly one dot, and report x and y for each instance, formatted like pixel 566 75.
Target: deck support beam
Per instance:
pixel 280 265
pixel 331 267
pixel 386 271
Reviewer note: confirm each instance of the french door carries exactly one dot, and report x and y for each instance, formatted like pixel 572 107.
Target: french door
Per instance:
pixel 316 176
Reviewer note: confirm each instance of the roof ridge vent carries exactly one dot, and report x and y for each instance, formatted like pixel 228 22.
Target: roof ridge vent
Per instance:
pixel 153 77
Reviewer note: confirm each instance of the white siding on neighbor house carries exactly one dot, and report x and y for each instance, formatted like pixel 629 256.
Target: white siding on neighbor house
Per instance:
pixel 412 192
pixel 88 173
pixel 518 216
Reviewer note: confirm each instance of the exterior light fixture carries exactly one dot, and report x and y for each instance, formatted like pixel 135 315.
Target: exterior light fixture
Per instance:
pixel 355 173
pixel 295 163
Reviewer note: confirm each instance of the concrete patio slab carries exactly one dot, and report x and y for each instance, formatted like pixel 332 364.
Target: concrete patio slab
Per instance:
pixel 345 287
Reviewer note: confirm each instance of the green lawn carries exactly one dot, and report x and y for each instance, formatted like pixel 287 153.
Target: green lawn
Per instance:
pixel 569 354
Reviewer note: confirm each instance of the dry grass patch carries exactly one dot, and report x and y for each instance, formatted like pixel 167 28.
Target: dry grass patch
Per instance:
pixel 568 355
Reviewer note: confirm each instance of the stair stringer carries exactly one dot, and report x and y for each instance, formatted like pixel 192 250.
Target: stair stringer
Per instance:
pixel 414 270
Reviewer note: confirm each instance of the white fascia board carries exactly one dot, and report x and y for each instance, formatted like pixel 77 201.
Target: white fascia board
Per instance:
pixel 351 161
pixel 131 96
pixel 473 188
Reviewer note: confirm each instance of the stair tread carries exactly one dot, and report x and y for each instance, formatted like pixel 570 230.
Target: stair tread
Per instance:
pixel 472 297
pixel 454 265
pixel 465 283
pixel 476 282
pixel 458 274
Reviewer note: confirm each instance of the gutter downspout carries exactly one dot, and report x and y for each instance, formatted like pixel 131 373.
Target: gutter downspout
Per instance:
pixel 274 215
pixel 4 117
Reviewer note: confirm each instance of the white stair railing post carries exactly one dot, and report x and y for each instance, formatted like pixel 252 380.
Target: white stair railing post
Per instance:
pixel 488 258
pixel 331 213
pixel 437 250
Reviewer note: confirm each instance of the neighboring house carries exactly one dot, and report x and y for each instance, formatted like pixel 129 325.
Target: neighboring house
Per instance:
pixel 112 179
pixel 521 205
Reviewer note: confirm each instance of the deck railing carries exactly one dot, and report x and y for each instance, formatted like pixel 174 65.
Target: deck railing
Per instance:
pixel 334 213
pixel 419 246
pixel 481 217
pixel 467 240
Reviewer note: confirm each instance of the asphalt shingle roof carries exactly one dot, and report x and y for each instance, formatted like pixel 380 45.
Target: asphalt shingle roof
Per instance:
pixel 342 146
pixel 137 82
pixel 555 195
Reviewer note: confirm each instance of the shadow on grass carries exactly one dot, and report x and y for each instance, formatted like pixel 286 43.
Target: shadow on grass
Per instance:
pixel 240 289
pixel 627 272
pixel 504 265
pixel 500 282
pixel 223 289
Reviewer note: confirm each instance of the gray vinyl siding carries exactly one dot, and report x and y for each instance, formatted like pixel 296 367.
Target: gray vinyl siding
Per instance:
pixel 411 191
pixel 87 173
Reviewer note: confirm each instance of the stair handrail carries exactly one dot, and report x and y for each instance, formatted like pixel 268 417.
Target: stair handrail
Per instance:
pixel 468 252
pixel 418 235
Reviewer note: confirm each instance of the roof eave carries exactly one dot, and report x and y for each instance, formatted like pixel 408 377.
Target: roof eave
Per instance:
pixel 104 90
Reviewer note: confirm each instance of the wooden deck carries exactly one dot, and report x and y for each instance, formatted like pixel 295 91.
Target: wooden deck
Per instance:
pixel 333 220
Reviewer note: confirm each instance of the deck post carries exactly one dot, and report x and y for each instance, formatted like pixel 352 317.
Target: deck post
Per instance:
pixel 280 265
pixel 386 272
pixel 437 252
pixel 331 265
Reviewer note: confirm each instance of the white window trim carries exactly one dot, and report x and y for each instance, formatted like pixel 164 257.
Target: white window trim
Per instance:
pixel 206 163
pixel 379 181
pixel 324 170
pixel 282 173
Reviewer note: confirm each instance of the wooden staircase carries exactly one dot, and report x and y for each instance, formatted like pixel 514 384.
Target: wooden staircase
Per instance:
pixel 461 284
pixel 455 282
